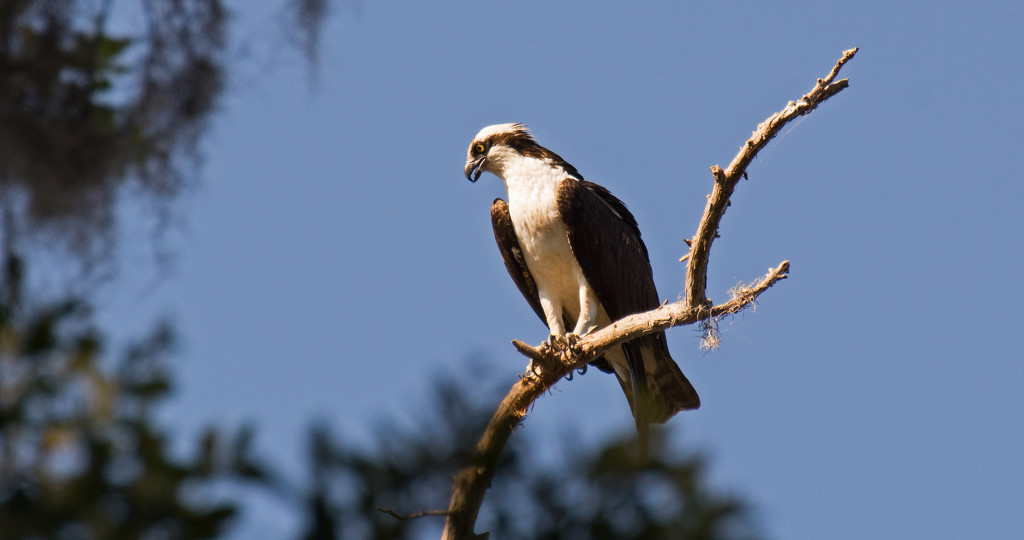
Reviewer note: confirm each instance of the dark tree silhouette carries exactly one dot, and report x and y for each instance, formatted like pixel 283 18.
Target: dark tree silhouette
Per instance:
pixel 601 492
pixel 86 109
pixel 81 455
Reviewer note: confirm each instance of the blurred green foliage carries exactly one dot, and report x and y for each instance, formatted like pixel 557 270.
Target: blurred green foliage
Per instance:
pixel 88 108
pixel 85 110
pixel 81 455
pixel 542 489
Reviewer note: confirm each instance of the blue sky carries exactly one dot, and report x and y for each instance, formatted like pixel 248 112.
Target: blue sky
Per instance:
pixel 333 258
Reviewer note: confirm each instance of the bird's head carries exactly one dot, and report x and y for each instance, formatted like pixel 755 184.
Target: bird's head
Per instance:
pixel 495 146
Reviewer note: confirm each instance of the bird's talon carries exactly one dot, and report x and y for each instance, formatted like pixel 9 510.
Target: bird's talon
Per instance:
pixel 534 368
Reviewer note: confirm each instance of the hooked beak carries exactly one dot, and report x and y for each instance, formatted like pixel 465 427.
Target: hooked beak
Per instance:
pixel 475 168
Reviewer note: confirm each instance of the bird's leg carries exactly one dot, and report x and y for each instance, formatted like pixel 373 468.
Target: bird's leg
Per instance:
pixel 553 314
pixel 588 311
pixel 585 323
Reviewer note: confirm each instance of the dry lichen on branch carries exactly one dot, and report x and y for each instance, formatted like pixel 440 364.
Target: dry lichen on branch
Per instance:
pixel 561 357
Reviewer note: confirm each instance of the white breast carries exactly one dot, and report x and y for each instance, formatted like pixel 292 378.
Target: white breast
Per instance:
pixel 531 185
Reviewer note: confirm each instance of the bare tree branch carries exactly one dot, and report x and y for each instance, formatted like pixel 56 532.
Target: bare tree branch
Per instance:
pixel 557 361
pixel 402 517
pixel 560 357
pixel 725 181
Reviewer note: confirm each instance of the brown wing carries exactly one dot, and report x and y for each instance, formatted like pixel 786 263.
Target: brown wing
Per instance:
pixel 606 241
pixel 512 254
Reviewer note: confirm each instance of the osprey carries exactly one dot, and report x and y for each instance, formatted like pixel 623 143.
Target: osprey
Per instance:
pixel 575 253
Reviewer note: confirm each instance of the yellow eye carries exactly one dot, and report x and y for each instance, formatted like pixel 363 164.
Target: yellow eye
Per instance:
pixel 479 148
